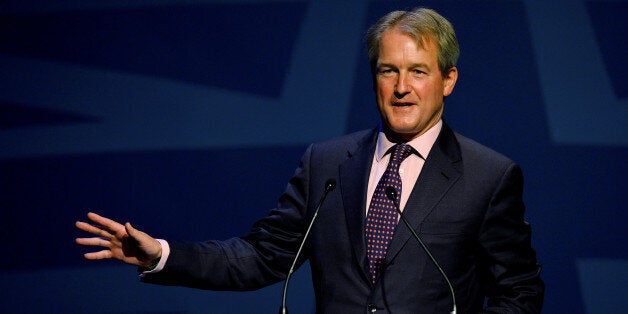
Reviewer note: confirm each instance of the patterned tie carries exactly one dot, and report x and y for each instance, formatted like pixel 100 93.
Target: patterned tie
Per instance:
pixel 381 219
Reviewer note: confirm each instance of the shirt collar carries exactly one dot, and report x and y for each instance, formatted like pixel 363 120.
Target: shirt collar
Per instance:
pixel 422 144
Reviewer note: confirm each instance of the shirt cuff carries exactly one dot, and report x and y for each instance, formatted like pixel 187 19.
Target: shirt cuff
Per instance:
pixel 165 252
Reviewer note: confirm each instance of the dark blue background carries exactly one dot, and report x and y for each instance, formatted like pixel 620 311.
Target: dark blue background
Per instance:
pixel 102 107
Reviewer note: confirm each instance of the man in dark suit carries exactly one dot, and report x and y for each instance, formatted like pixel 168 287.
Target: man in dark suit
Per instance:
pixel 463 199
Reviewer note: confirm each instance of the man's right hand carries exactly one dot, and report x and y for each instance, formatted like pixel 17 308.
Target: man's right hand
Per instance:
pixel 122 242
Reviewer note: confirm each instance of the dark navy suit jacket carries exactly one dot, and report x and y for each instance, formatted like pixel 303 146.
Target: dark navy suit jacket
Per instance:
pixel 466 205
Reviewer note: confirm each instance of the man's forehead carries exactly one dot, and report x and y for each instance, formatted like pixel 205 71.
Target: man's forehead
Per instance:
pixel 425 42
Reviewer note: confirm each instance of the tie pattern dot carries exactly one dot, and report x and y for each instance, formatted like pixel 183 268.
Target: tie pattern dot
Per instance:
pixel 381 219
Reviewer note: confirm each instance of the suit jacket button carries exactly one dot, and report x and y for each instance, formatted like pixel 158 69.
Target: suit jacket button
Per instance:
pixel 372 308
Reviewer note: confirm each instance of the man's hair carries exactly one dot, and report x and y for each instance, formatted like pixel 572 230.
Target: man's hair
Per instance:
pixel 421 24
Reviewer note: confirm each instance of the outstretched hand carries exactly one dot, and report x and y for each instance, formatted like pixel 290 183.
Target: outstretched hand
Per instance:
pixel 122 242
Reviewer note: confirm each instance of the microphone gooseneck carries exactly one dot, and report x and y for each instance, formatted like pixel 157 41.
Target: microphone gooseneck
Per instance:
pixel 330 185
pixel 391 193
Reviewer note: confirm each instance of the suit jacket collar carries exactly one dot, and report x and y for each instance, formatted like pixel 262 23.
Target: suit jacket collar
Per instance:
pixel 440 171
pixel 354 175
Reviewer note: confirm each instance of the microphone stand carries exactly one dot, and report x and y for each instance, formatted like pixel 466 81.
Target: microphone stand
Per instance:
pixel 391 193
pixel 329 186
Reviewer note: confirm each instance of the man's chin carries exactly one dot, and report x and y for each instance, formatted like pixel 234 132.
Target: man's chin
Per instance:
pixel 400 135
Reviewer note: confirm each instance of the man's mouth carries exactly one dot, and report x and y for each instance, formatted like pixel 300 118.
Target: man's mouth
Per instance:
pixel 402 104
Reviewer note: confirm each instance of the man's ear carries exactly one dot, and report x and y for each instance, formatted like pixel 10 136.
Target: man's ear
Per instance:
pixel 449 81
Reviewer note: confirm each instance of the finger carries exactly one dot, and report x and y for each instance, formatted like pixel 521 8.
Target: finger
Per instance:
pixel 114 226
pixel 93 242
pixel 104 254
pixel 93 229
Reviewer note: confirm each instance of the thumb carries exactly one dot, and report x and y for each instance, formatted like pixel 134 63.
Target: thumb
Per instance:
pixel 135 234
pixel 150 247
pixel 132 232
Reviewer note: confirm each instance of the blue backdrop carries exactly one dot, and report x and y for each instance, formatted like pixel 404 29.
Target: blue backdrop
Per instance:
pixel 188 117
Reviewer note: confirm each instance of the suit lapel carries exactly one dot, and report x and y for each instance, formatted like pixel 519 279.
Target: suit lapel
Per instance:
pixel 439 173
pixel 354 174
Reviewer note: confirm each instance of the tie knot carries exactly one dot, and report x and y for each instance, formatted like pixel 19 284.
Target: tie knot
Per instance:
pixel 401 152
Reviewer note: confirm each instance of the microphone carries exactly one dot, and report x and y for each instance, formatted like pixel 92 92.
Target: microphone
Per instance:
pixel 391 193
pixel 330 185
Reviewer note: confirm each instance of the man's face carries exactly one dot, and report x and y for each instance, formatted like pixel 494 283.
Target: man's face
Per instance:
pixel 409 85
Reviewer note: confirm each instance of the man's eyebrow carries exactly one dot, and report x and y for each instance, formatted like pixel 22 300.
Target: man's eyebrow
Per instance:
pixel 385 64
pixel 412 66
pixel 419 65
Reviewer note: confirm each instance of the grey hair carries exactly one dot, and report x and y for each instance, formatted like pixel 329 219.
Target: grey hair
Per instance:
pixel 420 23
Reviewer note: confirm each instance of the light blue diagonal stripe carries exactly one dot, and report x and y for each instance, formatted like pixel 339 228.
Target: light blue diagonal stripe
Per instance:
pixel 145 113
pixel 581 105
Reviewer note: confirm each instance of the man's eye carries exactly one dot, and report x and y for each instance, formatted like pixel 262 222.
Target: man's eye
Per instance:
pixel 419 72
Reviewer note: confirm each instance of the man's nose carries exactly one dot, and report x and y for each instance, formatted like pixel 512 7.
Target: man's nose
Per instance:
pixel 401 87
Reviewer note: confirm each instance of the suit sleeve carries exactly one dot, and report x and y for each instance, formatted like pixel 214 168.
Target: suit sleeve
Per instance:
pixel 258 259
pixel 512 280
